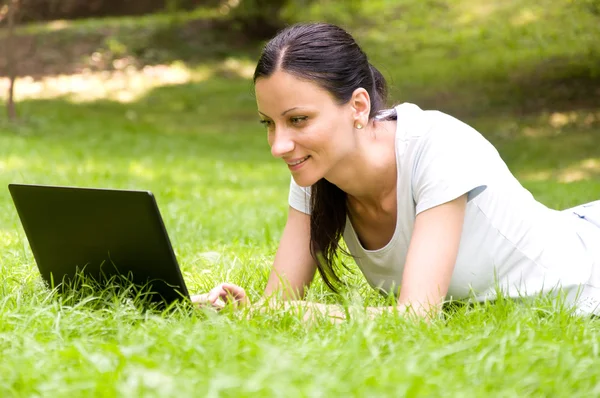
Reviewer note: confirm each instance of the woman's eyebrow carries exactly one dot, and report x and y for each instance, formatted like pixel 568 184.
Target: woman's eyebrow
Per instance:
pixel 284 112
pixel 289 110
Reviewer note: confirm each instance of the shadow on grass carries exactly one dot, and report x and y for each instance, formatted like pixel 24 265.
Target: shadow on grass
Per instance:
pixel 559 84
pixel 84 290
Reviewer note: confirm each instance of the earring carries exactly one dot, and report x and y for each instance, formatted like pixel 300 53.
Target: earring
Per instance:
pixel 359 126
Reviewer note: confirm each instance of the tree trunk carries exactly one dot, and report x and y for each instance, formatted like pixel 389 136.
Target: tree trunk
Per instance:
pixel 10 104
pixel 11 58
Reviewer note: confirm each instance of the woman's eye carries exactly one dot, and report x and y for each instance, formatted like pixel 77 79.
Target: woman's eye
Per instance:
pixel 298 119
pixel 266 123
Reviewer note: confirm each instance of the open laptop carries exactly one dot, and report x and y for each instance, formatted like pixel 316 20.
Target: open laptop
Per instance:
pixel 99 233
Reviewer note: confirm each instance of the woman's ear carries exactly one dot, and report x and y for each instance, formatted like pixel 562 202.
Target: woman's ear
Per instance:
pixel 361 106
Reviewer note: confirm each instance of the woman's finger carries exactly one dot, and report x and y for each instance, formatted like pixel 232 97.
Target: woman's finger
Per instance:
pixel 227 292
pixel 199 298
pixel 216 293
pixel 235 292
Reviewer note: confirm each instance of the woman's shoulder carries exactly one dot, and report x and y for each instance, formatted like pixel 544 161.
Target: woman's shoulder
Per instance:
pixel 415 122
pixel 432 131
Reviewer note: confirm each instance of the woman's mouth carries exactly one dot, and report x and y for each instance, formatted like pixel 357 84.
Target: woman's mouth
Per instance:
pixel 297 163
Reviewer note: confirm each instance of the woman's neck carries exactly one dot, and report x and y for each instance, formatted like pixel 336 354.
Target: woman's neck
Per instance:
pixel 369 176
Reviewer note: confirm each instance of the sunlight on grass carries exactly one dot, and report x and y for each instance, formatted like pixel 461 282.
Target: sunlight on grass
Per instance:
pixel 139 170
pixel 584 118
pixel 12 162
pixel 586 169
pixel 58 24
pixel 556 123
pixel 123 86
pixel 8 237
pixel 524 17
pixel 243 68
pixel 583 170
pixel 126 84
pixel 471 11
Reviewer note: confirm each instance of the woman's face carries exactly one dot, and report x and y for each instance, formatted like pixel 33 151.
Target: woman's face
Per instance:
pixel 306 128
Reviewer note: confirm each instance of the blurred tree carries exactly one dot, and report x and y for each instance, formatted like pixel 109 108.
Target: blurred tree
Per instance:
pixel 10 11
pixel 17 47
pixel 593 6
pixel 258 19
pixel 173 5
pixel 73 9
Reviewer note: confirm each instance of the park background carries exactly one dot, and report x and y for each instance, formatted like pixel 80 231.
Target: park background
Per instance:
pixel 157 95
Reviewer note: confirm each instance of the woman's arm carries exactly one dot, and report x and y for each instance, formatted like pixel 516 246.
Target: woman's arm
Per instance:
pixel 431 256
pixel 427 272
pixel 428 269
pixel 293 267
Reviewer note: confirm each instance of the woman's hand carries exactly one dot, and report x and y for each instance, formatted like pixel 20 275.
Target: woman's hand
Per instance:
pixel 223 294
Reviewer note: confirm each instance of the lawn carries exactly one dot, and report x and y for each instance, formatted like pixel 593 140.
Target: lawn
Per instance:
pixel 509 69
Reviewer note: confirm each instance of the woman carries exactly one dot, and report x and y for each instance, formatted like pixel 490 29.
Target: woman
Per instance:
pixel 425 204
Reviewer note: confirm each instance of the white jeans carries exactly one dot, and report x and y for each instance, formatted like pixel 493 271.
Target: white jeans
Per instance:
pixel 589 232
pixel 588 211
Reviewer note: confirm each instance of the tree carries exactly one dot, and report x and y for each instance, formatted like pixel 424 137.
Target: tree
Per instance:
pixel 593 6
pixel 11 15
pixel 259 19
pixel 17 48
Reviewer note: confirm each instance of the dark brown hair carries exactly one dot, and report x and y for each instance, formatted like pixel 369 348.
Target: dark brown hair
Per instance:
pixel 328 56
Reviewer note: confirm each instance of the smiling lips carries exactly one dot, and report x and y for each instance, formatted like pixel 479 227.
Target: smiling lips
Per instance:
pixel 296 163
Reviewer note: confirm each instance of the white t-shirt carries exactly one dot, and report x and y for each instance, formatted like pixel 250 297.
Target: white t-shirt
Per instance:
pixel 509 240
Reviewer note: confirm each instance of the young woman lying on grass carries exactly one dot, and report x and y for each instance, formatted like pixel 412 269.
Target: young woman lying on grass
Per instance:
pixel 425 204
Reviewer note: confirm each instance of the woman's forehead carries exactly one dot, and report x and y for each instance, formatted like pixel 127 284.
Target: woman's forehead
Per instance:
pixel 282 89
pixel 286 82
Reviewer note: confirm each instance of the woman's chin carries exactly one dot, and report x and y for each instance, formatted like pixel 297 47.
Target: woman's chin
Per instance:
pixel 304 181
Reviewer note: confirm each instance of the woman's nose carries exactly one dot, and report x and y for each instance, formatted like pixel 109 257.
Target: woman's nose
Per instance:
pixel 281 144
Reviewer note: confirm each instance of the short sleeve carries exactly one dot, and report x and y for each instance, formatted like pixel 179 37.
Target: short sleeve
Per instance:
pixel 452 159
pixel 299 197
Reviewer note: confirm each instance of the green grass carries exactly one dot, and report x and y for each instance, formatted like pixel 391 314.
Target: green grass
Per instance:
pixel 464 56
pixel 200 149
pixel 430 46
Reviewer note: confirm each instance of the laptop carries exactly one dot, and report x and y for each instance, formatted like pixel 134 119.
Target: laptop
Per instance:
pixel 101 234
